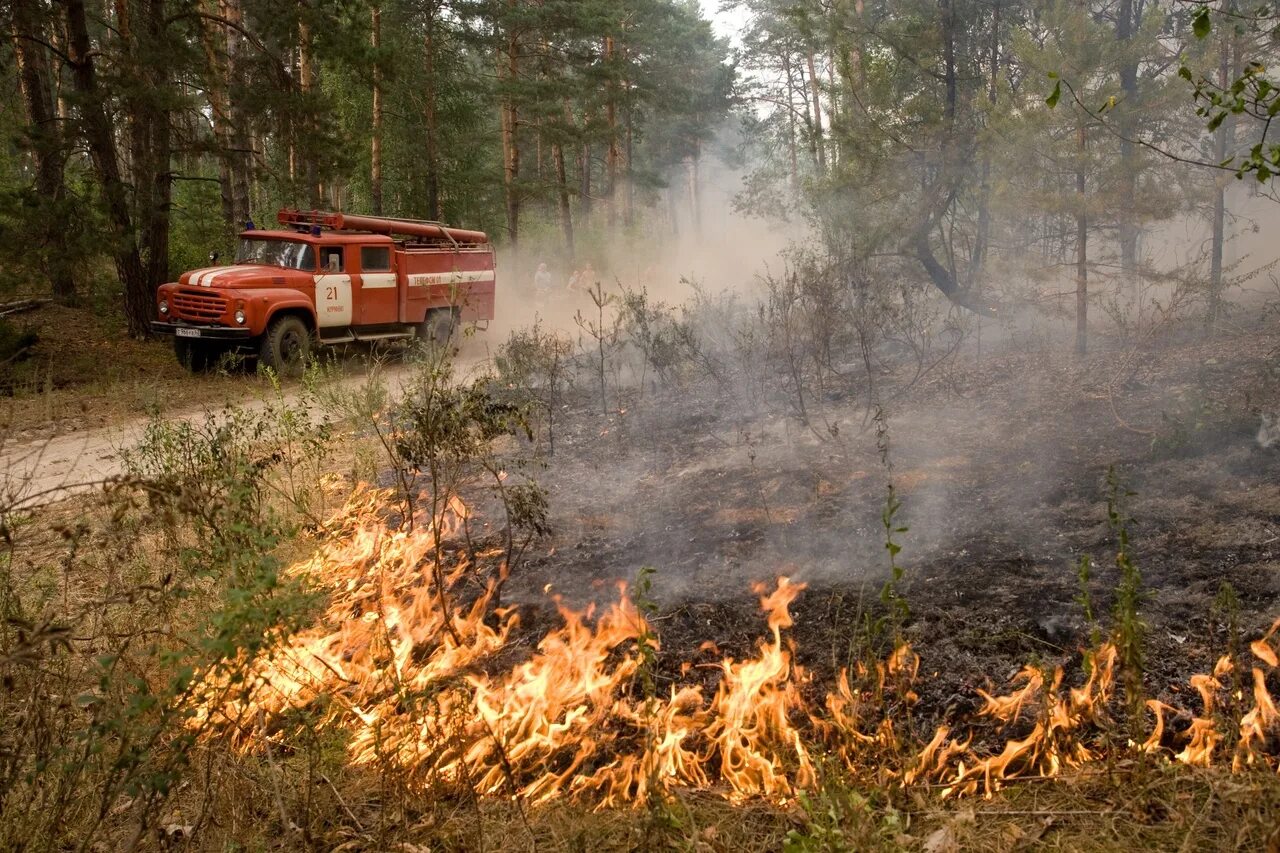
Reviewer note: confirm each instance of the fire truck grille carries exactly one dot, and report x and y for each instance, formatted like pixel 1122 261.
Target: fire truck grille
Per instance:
pixel 206 307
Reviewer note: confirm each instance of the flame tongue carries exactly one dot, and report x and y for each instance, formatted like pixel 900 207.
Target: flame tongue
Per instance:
pixel 777 603
pixel 750 728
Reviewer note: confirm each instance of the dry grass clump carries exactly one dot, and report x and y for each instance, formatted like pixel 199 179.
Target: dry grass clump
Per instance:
pixel 298 802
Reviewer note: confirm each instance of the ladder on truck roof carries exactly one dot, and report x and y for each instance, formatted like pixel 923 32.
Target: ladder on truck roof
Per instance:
pixel 421 228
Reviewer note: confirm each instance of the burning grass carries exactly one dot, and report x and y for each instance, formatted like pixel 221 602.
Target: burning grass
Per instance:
pixel 426 681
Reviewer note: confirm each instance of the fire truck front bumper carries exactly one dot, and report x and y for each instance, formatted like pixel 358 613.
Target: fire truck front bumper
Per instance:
pixel 204 333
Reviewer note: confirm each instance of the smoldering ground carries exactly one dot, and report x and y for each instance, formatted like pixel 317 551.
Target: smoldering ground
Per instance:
pixel 1000 464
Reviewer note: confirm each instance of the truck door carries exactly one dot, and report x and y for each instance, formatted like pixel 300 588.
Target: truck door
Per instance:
pixel 378 300
pixel 333 290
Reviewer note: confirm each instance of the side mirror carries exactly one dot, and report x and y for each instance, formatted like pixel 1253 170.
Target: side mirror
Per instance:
pixel 213 257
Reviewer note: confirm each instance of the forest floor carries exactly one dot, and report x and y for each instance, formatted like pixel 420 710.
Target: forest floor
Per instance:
pixel 84 372
pixel 1001 464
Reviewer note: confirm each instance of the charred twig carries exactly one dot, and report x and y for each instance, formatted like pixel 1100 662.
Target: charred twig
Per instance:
pixel 1111 400
pixel 1027 812
pixel 1011 780
pixel 342 802
pixel 285 822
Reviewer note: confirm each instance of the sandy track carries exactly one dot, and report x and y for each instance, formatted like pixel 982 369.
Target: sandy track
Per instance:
pixel 40 471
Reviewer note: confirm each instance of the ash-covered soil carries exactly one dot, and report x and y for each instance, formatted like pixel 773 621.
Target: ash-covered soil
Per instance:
pixel 1001 467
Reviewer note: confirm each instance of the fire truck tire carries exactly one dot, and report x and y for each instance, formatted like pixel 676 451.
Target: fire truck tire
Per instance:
pixel 197 356
pixel 286 345
pixel 437 328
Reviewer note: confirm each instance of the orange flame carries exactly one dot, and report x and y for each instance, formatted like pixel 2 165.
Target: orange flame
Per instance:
pixel 750 724
pixel 413 661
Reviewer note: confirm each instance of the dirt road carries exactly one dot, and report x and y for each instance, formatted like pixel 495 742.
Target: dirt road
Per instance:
pixel 36 472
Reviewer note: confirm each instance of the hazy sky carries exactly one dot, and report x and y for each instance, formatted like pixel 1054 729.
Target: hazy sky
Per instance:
pixel 726 23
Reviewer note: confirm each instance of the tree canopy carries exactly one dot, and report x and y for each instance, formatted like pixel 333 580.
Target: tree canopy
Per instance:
pixel 933 141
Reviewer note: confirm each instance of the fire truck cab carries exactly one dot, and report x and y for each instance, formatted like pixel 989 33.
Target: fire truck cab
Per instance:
pixel 328 278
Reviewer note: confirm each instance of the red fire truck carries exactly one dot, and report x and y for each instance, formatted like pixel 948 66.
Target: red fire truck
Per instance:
pixel 328 278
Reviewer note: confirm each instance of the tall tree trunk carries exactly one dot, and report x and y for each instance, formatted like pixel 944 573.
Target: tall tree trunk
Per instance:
pixel 290 132
pixel 791 123
pixel 858 9
pixel 983 234
pixel 45 138
pixel 432 141
pixel 97 131
pixel 562 185
pixel 1128 21
pixel 306 83
pixel 949 74
pixel 584 177
pixel 848 52
pixel 695 190
pixel 1224 138
pixel 155 238
pixel 242 154
pixel 802 90
pixel 126 57
pixel 511 168
pixel 673 207
pixel 375 141
pixel 510 136
pixel 217 87
pixel 257 154
pixel 835 113
pixel 628 189
pixel 150 137
pixel 946 187
pixel 58 38
pixel 818 143
pixel 1082 247
pixel 611 121
pixel 289 128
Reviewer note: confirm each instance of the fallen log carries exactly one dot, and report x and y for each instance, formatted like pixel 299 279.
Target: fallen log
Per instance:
pixel 21 305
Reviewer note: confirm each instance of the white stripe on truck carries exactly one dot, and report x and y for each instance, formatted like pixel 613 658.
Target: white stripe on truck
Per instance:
pixel 194 275
pixel 207 277
pixel 458 277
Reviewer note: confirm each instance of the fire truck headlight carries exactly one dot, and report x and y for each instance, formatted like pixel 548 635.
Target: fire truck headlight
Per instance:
pixel 240 316
pixel 164 306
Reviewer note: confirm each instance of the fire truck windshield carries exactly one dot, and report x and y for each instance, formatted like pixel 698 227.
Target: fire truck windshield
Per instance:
pixel 277 253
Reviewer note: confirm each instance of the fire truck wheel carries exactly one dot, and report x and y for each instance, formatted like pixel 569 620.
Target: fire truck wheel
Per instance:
pixel 286 345
pixel 197 356
pixel 437 328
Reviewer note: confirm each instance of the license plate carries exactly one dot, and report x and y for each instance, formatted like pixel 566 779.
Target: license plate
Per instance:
pixel 187 333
